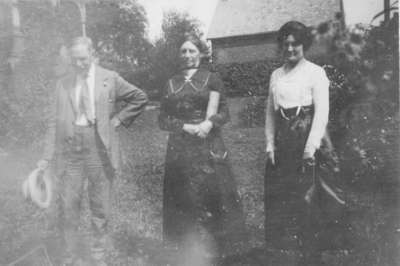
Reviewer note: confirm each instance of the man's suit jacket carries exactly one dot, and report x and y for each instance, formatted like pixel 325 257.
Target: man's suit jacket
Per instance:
pixel 110 91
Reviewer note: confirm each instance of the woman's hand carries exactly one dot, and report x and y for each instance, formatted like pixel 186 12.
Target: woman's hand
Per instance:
pixel 204 128
pixel 308 155
pixel 308 161
pixel 191 129
pixel 271 157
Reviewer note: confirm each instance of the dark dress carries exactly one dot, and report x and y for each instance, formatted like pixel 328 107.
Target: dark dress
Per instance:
pixel 297 206
pixel 200 193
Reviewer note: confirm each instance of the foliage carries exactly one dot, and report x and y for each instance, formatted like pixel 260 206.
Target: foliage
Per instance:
pixel 253 113
pixel 118 31
pixel 247 79
pixel 369 119
pixel 364 122
pixel 163 62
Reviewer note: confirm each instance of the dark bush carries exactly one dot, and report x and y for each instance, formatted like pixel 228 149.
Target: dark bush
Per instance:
pixel 247 79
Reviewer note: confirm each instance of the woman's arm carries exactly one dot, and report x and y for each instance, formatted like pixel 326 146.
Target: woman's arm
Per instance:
pixel 320 94
pixel 212 109
pixel 270 123
pixel 219 103
pixel 213 103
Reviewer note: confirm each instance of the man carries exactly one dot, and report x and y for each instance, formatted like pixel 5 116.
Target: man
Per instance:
pixel 82 143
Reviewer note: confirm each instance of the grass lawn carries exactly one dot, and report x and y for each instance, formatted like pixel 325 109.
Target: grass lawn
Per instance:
pixel 137 202
pixel 137 193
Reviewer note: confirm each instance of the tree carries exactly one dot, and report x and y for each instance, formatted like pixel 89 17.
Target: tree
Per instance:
pixel 118 30
pixel 164 54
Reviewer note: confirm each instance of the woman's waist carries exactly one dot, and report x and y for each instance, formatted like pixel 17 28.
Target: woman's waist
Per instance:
pixel 184 137
pixel 294 112
pixel 192 117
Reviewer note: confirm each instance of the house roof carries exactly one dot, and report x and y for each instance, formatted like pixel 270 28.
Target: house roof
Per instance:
pixel 248 17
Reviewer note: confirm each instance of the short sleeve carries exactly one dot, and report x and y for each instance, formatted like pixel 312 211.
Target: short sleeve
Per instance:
pixel 222 117
pixel 215 83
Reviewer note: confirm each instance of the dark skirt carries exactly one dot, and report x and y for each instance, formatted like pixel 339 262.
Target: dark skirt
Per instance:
pixel 294 203
pixel 200 193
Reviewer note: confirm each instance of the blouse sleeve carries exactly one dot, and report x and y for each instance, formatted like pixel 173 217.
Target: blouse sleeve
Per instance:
pixel 165 120
pixel 222 117
pixel 320 94
pixel 270 119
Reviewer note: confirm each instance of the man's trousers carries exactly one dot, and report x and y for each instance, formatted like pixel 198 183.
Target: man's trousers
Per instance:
pixel 84 162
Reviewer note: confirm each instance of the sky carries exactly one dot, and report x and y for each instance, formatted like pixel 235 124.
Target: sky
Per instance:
pixel 362 10
pixel 203 10
pixel 356 11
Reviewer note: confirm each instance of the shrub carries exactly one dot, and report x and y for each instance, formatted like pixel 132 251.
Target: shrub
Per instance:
pixel 247 79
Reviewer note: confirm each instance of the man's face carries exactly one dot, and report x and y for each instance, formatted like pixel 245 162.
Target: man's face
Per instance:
pixel 82 58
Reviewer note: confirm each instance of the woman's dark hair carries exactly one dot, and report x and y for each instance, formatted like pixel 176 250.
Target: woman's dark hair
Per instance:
pixel 299 31
pixel 197 41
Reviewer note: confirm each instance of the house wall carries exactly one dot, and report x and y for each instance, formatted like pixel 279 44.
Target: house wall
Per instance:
pixel 248 17
pixel 244 49
pixel 254 48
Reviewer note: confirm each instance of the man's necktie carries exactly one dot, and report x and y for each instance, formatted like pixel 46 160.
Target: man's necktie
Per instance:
pixel 84 102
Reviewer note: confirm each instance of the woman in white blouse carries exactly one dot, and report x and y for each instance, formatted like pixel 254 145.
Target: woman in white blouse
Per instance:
pixel 296 119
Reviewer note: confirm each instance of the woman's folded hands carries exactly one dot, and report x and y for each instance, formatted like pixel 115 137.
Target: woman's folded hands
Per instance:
pixel 201 130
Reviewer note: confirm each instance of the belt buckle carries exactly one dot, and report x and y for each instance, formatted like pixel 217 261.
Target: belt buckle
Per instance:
pixel 286 117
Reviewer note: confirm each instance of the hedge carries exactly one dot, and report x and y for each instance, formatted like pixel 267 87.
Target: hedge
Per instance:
pixel 247 79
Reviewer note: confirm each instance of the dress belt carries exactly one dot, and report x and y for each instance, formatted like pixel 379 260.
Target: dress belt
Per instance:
pixel 194 120
pixel 290 113
pixel 88 124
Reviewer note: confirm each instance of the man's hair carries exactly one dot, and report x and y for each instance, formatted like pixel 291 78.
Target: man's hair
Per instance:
pixel 82 40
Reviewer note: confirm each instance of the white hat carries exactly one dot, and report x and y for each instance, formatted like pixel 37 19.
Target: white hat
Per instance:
pixel 39 192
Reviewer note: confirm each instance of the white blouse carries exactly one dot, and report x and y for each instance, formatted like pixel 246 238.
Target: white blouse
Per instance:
pixel 304 85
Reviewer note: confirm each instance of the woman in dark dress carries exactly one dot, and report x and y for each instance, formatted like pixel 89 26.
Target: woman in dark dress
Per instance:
pixel 300 159
pixel 200 201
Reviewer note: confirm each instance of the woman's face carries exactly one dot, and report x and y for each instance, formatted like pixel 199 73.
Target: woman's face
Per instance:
pixel 190 55
pixel 292 50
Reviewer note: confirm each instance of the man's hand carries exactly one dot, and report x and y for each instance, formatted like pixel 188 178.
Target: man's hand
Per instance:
pixel 191 129
pixel 115 122
pixel 43 164
pixel 204 128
